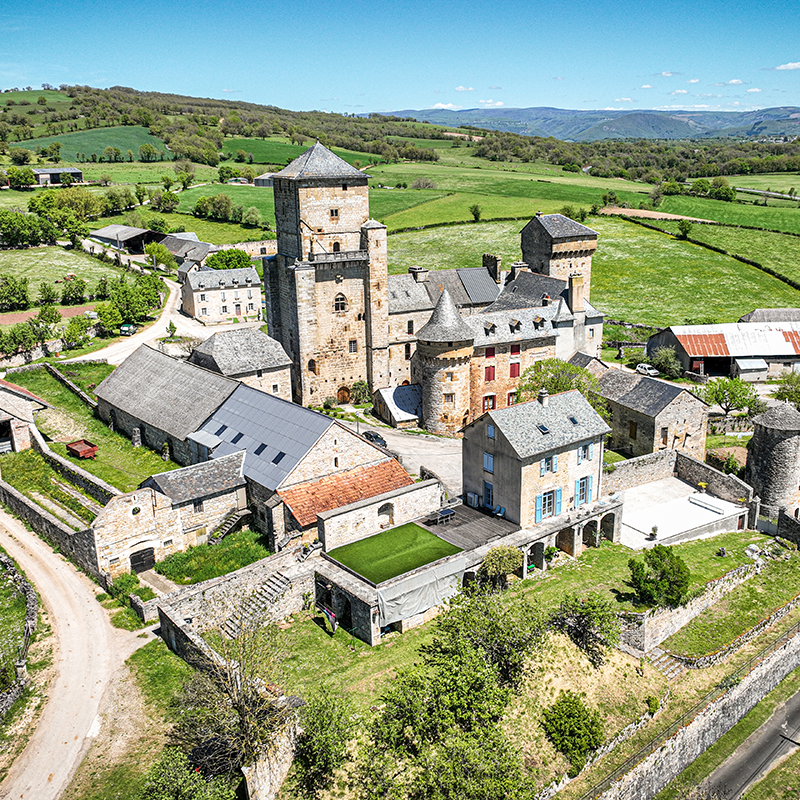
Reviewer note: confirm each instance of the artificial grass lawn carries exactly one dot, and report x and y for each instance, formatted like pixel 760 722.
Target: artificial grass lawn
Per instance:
pixel 117 461
pixel 394 552
pixel 205 561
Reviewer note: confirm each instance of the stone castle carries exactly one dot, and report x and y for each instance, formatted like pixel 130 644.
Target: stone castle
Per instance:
pixel 437 348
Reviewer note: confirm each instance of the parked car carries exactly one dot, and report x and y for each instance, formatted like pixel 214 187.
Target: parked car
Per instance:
pixel 375 438
pixel 647 369
pixel 127 329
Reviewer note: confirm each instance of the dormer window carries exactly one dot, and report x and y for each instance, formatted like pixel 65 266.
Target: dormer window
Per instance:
pixel 515 325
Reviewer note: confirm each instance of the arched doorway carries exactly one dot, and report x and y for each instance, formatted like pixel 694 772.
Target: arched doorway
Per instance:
pixel 591 534
pixel 142 560
pixel 607 526
pixel 536 555
pixel 343 395
pixel 565 541
pixel 386 515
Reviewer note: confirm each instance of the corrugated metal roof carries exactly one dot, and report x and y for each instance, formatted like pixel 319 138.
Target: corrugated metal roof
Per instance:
pixel 709 344
pixel 751 363
pixel 740 339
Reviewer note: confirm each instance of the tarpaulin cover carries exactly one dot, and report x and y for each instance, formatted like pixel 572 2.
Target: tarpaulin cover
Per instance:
pixel 419 592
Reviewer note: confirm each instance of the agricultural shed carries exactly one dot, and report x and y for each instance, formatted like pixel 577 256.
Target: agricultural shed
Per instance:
pixel 264 180
pixel 47 175
pixel 126 236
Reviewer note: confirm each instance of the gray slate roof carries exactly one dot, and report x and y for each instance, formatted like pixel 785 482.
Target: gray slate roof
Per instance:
pixel 650 396
pixel 167 393
pixel 441 279
pixel 479 284
pixel 782 417
pixel 590 363
pixel 406 294
pixel 404 403
pixel 187 248
pixel 518 325
pixel 561 227
pixel 772 315
pixel 519 423
pixel 445 324
pixel 527 289
pixel 249 419
pixel 223 278
pixel 121 232
pixel 216 476
pixel 319 162
pixel 240 351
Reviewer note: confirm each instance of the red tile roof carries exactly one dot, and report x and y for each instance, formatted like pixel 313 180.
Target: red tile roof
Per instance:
pixel 706 344
pixel 306 500
pixel 23 391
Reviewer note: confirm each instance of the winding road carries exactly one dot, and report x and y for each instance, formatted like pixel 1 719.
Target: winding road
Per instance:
pixel 88 653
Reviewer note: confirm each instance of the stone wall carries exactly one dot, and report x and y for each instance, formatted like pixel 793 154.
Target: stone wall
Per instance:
pixel 265 778
pixel 652 774
pixel 263 247
pixel 636 471
pixel 788 527
pixel 643 631
pixel 366 517
pixel 65 381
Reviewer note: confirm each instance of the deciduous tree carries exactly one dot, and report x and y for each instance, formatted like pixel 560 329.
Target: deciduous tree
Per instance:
pixel 731 394
pixel 663 577
pixel 590 622
pixel 556 376
pixel 229 259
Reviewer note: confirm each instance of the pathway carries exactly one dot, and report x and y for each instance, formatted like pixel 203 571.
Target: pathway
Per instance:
pixel 88 654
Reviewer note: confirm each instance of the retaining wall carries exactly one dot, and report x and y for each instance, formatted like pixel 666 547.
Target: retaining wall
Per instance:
pixel 639 470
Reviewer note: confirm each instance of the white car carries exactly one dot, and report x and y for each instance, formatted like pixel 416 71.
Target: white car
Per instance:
pixel 647 369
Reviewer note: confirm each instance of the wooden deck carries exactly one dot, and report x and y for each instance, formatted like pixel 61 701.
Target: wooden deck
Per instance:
pixel 471 528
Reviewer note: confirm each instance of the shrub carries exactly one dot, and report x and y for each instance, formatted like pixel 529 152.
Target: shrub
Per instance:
pixel 360 393
pixel 498 563
pixel 423 183
pixel 665 359
pixel 652 704
pixel 329 402
pixel 591 623
pixel 575 730
pixel 663 578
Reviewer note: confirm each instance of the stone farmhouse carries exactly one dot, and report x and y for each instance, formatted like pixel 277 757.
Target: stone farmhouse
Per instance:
pixel 188 250
pixel 341 318
pixel 249 356
pixel 215 296
pixel 18 410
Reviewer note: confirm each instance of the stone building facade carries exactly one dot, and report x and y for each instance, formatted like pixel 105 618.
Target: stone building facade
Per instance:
pixel 218 296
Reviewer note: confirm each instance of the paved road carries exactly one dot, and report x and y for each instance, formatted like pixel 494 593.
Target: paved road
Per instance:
pixel 755 757
pixel 88 654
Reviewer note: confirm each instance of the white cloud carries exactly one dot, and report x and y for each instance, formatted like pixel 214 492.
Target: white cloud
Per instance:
pixel 447 106
pixel 558 79
pixel 623 100
pixel 734 82
pixel 647 86
pixel 465 88
pixel 231 91
pixel 667 74
pixel 438 91
pixel 791 65
pixel 693 80
pixel 491 103
pixel 680 91
pixel 496 88
pixel 754 90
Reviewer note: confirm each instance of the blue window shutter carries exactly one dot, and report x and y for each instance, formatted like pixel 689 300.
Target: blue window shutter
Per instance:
pixel 538 508
pixel 577 493
pixel 589 490
pixel 542 468
pixel 555 463
pixel 591 450
pixel 558 501
pixel 580 454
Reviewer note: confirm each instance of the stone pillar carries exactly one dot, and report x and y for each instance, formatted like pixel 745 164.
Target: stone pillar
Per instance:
pixel 577 540
pixel 136 437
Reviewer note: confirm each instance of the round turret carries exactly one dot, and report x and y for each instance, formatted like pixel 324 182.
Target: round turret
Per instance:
pixel 773 459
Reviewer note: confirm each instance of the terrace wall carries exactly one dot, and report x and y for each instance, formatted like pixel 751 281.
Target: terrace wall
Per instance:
pixel 640 470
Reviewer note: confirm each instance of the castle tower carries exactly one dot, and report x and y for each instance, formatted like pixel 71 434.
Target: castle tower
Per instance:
pixel 773 459
pixel 555 245
pixel 326 288
pixel 441 367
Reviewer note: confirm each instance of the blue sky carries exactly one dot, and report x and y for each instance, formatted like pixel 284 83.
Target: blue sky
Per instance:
pixel 356 56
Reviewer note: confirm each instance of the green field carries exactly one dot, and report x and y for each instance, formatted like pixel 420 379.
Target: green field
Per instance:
pixel 53 96
pixel 776 218
pixel 51 264
pixel 281 152
pixel 127 137
pixel 394 552
pixel 771 181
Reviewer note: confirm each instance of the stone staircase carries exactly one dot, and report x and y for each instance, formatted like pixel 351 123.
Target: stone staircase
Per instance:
pixel 228 525
pixel 668 666
pixel 253 606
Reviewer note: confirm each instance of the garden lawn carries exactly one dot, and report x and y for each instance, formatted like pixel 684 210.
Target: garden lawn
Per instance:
pixel 86 376
pixel 393 552
pixel 206 229
pixel 280 151
pixel 51 264
pixel 124 137
pixel 210 561
pixel 739 610
pixel 118 462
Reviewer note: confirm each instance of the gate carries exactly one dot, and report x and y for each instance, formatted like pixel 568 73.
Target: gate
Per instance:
pixel 143 560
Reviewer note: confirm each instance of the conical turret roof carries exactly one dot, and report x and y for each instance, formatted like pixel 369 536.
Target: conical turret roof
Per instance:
pixel 319 162
pixel 781 417
pixel 445 324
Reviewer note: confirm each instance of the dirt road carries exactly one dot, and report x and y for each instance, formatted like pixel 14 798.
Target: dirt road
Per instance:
pixel 88 653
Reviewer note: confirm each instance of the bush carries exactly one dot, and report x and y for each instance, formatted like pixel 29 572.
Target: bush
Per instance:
pixel 360 393
pixel 574 729
pixel 329 402
pixel 423 183
pixel 652 704
pixel 665 359
pixel 498 563
pixel 663 578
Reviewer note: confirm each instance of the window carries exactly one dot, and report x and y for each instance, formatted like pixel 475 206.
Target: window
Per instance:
pixel 251 307
pixel 573 420
pixel 278 458
pixel 632 430
pixel 513 369
pixel 237 438
pixel 543 429
pixel 449 375
pixel 260 449
pixel 585 453
pixel 236 295
pixel 489 376
pixel 488 462
pixel 312 366
pixel 408 352
pixel 591 333
pixel 340 302
pixel 410 326
pixel 223 310
pixel 202 298
pixel 198 506
pixel 249 294
pixel 334 213
pixel 337 247
pixel 449 400
pixel 490 352
pixel 512 398
pixel 352 346
pixel 222 297
pixel 490 431
pixel 548 504
pixel 488 494
pixel 203 312
pixel 515 349
pixel 167 543
pixel 274 388
pixel 583 491
pixel 336 461
pixel 664 435
pixel 488 402
pixel 548 464
pixel 263 251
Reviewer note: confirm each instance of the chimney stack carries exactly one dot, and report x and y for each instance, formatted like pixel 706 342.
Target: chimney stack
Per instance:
pixel 545 299
pixel 420 273
pixel 576 294
pixel 544 397
pixel 492 264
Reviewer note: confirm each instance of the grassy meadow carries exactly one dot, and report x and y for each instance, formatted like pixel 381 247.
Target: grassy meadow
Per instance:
pixel 51 264
pixel 785 217
pixel 125 137
pixel 279 151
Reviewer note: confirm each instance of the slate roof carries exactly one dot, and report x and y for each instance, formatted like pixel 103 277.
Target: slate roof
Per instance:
pixel 479 285
pixel 650 396
pixel 404 403
pixel 18 402
pixel 306 500
pixel 445 323
pixel 249 419
pixel 406 294
pixel 772 315
pixel 21 390
pixel 189 249
pixel 441 279
pixel 121 232
pixel 217 476
pixel 518 325
pixel 469 287
pixel 781 417
pixel 167 393
pixel 240 351
pixel 519 424
pixel 527 289
pixel 561 227
pixel 223 279
pixel 319 162
pixel 590 363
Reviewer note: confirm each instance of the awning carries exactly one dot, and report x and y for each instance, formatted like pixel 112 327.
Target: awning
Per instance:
pixel 750 364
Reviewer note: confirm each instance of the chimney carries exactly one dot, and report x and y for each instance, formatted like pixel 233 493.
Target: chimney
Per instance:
pixel 545 299
pixel 576 294
pixel 492 264
pixel 420 274
pixel 517 266
pixel 544 397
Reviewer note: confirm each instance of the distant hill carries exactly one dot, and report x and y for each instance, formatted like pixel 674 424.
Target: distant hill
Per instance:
pixel 587 126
